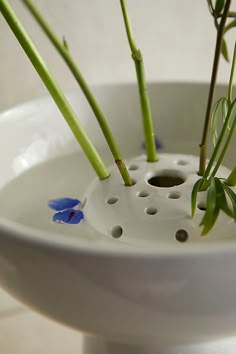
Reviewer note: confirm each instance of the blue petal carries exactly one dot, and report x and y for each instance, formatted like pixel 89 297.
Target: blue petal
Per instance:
pixel 158 144
pixel 69 216
pixel 76 217
pixel 63 203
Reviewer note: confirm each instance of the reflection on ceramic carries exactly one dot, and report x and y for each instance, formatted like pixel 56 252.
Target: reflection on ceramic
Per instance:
pixel 170 292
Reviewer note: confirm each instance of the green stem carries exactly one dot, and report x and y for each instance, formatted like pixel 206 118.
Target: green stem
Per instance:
pixel 143 93
pixel 203 144
pixel 62 48
pixel 225 125
pixel 220 140
pixel 230 88
pixel 222 155
pixel 53 89
pixel 231 180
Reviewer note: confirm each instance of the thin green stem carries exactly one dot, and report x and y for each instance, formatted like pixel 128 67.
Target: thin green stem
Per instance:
pixel 231 180
pixel 230 88
pixel 143 93
pixel 225 125
pixel 220 140
pixel 225 148
pixel 53 89
pixel 62 48
pixel 128 27
pixel 204 141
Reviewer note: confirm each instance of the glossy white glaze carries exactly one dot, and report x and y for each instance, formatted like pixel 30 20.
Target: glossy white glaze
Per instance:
pixel 171 293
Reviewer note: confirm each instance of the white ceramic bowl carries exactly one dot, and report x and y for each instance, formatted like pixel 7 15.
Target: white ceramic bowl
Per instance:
pixel 168 293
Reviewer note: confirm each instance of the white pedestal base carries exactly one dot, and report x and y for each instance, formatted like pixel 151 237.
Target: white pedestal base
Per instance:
pixel 99 345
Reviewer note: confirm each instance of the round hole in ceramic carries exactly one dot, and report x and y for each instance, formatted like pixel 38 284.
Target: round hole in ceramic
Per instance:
pixel 181 235
pixel 142 194
pixel 201 206
pixel 112 200
pixel 166 179
pixel 174 195
pixel 182 162
pixel 117 231
pixel 151 210
pixel 133 167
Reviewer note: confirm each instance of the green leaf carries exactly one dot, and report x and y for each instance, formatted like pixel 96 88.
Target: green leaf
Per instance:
pixel 221 200
pixel 196 189
pixel 209 2
pixel 225 107
pixel 231 180
pixel 221 103
pixel 219 5
pixel 212 210
pixel 224 50
pixel 210 220
pixel 232 197
pixel 230 25
pixel 220 141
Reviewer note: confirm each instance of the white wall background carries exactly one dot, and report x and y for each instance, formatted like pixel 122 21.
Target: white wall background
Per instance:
pixel 176 37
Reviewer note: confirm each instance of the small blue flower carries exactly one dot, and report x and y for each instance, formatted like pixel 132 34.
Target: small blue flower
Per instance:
pixel 158 144
pixel 69 216
pixel 63 203
pixel 65 212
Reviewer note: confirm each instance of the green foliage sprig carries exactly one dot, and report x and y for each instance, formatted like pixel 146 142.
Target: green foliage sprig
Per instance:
pixel 219 195
pixel 217 13
pixel 224 9
pixel 219 198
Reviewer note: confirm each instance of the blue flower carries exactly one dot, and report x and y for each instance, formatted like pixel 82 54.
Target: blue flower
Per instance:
pixel 63 203
pixel 65 210
pixel 69 216
pixel 158 144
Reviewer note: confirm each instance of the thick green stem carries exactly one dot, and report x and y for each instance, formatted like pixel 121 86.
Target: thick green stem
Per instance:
pixel 146 109
pixel 53 89
pixel 231 180
pixel 203 144
pixel 62 48
pixel 143 93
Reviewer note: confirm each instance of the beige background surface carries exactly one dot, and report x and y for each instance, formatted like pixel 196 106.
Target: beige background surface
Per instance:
pixel 177 40
pixel 176 37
